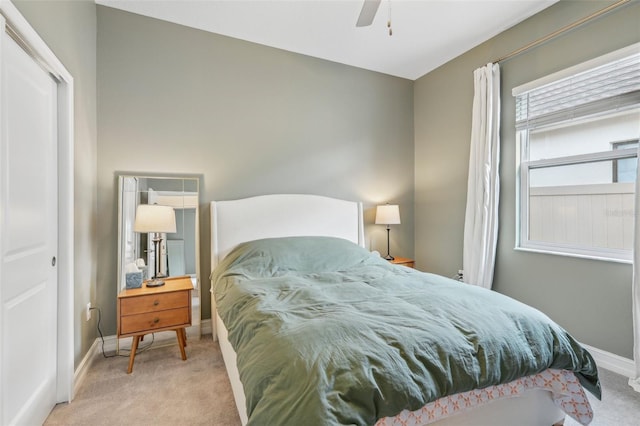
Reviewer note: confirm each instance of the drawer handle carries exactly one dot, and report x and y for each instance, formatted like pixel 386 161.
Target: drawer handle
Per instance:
pixel 156 320
pixel 156 302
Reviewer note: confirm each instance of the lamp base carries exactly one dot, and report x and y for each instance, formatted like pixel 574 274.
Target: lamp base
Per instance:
pixel 155 283
pixel 389 257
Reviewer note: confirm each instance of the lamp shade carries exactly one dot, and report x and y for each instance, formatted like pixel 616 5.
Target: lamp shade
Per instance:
pixel 154 218
pixel 388 214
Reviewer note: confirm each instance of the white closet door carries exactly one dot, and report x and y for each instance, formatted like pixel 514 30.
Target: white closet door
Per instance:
pixel 28 233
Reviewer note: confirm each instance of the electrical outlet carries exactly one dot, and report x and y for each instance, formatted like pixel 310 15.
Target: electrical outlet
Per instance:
pixel 88 311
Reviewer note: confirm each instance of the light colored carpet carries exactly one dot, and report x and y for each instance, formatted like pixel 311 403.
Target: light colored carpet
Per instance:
pixel 620 405
pixel 161 390
pixel 164 390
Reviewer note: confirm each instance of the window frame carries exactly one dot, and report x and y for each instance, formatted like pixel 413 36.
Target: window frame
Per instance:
pixel 524 166
pixel 615 146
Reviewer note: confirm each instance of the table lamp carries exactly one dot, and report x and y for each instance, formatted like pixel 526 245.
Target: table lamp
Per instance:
pixel 152 218
pixel 388 214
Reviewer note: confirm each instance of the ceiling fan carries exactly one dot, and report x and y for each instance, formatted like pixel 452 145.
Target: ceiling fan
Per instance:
pixel 368 12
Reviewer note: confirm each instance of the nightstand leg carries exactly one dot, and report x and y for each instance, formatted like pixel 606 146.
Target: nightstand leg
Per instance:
pixel 181 342
pixel 184 336
pixel 132 356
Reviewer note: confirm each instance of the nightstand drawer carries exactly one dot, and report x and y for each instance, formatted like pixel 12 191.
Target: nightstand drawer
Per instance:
pixel 148 322
pixel 153 302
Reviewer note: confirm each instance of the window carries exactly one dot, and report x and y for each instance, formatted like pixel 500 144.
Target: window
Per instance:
pixel 624 170
pixel 577 135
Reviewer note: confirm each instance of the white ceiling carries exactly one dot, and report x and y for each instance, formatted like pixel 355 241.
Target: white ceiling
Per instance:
pixel 426 33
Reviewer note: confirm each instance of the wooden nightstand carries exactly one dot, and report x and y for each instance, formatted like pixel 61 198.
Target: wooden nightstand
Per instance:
pixel 150 309
pixel 404 261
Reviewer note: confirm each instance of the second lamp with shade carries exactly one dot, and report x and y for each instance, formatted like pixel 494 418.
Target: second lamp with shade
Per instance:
pixel 153 218
pixel 388 214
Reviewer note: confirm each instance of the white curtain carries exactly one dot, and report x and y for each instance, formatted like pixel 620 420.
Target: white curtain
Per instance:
pixel 483 187
pixel 635 289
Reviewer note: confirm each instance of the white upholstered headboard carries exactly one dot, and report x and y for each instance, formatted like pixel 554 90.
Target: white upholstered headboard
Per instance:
pixel 282 215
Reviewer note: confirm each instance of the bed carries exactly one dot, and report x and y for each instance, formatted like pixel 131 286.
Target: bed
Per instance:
pixel 314 329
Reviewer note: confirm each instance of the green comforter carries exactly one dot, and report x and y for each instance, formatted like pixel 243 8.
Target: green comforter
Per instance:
pixel 327 333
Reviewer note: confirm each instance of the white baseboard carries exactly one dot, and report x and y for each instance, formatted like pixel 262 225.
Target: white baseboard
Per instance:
pixel 205 326
pixel 160 339
pixel 81 372
pixel 612 362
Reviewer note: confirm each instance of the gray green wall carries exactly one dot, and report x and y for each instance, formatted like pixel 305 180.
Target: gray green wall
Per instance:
pixel 254 120
pixel 592 299
pixel 251 120
pixel 69 29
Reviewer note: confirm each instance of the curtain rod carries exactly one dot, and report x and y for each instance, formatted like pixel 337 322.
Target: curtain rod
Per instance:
pixel 562 30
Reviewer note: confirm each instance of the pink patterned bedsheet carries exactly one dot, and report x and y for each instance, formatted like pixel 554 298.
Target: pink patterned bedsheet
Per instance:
pixel 567 393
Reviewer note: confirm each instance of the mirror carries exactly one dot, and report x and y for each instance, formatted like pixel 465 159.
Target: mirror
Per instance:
pixel 178 251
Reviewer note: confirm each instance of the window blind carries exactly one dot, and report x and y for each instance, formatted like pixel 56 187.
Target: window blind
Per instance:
pixel 609 87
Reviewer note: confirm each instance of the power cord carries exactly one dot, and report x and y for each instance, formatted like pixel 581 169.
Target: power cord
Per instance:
pixel 140 349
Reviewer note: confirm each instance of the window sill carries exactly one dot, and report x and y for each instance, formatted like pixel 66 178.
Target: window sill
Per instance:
pixel 628 261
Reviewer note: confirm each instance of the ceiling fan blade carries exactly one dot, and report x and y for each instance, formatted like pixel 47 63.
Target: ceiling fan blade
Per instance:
pixel 368 12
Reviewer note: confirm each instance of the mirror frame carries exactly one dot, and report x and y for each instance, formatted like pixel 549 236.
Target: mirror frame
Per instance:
pixel 120 193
